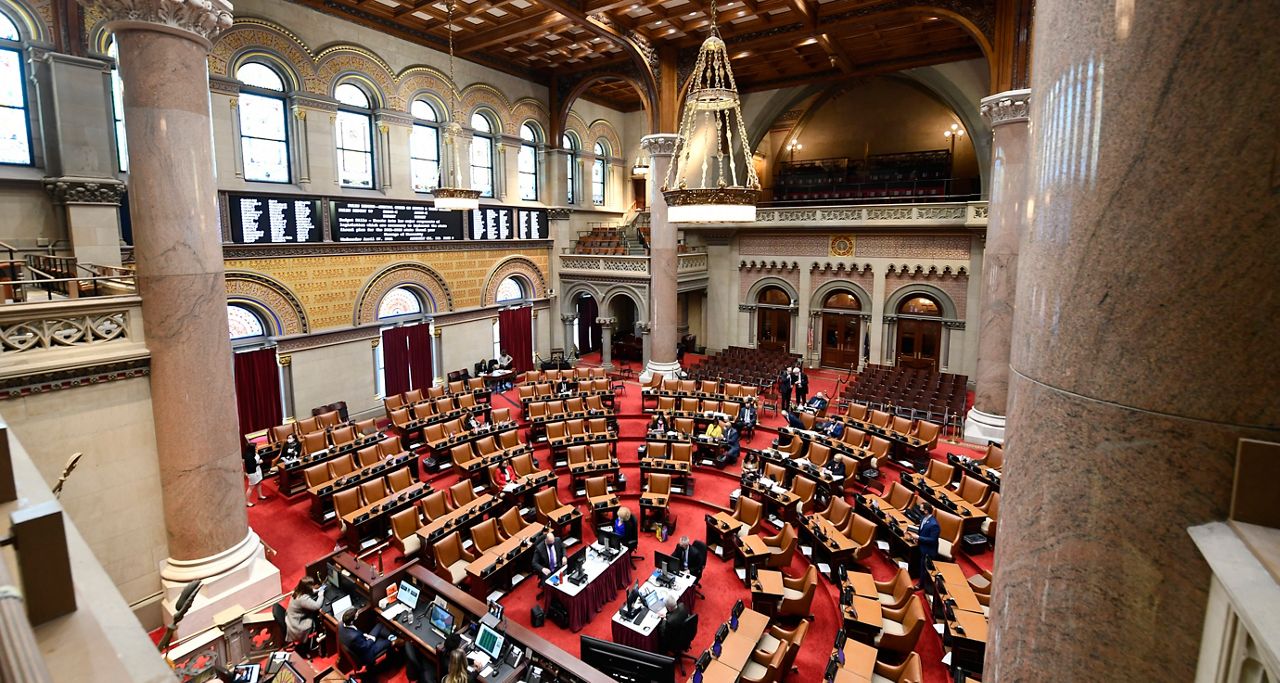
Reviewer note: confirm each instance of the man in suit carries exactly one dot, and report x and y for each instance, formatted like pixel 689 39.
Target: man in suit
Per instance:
pixel 692 557
pixel 928 541
pixel 364 648
pixel 784 389
pixel 732 445
pixel 549 558
pixel 670 626
pixel 801 382
pixel 749 416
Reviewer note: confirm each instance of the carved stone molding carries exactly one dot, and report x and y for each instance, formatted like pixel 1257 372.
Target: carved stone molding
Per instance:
pixel 84 190
pixel 567 318
pixel 559 214
pixel 69 378
pixel 767 266
pixel 661 144
pixel 610 322
pixel 223 85
pixel 1013 106
pixel 203 18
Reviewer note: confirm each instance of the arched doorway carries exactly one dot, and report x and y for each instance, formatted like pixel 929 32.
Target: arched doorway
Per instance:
pixel 841 330
pixel 586 331
pixel 627 344
pixel 919 339
pixel 773 319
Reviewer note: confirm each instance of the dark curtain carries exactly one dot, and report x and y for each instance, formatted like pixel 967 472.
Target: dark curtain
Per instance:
pixel 588 328
pixel 395 360
pixel 257 390
pixel 420 375
pixel 515 334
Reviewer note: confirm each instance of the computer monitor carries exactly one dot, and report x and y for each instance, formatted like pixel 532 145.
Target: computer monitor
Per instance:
pixel 577 560
pixel 653 600
pixel 340 606
pixel 627 664
pixel 489 641
pixel 441 619
pixel 408 594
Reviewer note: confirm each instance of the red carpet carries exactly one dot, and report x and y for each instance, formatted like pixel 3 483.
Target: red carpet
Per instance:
pixel 288 531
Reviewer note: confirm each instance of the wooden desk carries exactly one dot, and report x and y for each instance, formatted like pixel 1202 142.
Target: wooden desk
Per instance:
pixel 737 647
pixel 455 519
pixel 863 584
pixel 767 591
pixel 718 672
pixel 496 567
pixel 863 619
pixel 372 519
pixel 322 494
pixel 859 660
pixel 719 526
pixel 968 648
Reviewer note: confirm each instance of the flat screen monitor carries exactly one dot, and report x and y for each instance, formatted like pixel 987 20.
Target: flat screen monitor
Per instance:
pixel 489 641
pixel 576 561
pixel 653 600
pixel 408 594
pixel 495 608
pixel 340 606
pixel 441 620
pixel 627 664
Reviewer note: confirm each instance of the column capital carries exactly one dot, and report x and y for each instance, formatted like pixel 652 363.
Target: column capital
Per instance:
pixel 660 144
pixel 567 318
pixel 68 190
pixel 202 20
pixel 1011 106
pixel 607 322
pixel 558 214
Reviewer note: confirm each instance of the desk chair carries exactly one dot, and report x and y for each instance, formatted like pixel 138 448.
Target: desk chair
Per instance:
pixel 900 629
pixel 764 669
pixel 452 559
pixel 782 547
pixel 677 644
pixel 906 672
pixel 364 674
pixel 992 508
pixel 895 592
pixel 777 637
pixel 303 647
pixel 797 594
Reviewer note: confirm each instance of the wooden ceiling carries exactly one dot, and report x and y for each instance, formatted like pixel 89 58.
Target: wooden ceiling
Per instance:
pixel 772 42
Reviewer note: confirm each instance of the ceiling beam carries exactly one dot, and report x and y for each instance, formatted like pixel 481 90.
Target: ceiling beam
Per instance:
pixel 835 52
pixel 542 21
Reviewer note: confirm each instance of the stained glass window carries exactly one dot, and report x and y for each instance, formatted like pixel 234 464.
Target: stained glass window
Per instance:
pixel 117 110
pixel 527 161
pixel 264 136
pixel 509 290
pixel 244 323
pixel 399 301
pixel 424 147
pixel 571 162
pixel 355 137
pixel 482 155
pixel 599 171
pixel 920 305
pixel 15 132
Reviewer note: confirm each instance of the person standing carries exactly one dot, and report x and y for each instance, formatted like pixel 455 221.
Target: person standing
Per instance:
pixel 801 382
pixel 784 389
pixel 927 538
pixel 252 470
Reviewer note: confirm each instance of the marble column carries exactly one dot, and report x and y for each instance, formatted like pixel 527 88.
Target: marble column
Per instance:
pixel 663 262
pixel 570 340
pixel 1007 113
pixel 606 341
pixel 1144 331
pixel 173 198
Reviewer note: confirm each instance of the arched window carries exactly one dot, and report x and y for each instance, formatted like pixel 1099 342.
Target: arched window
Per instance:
pixel 570 145
pixel 264 125
pixel 15 123
pixel 773 296
pixel 355 136
pixel 920 304
pixel 842 300
pixel 599 173
pixel 482 154
pixel 424 147
pixel 527 161
pixel 510 289
pixel 117 109
pixel 398 303
pixel 244 323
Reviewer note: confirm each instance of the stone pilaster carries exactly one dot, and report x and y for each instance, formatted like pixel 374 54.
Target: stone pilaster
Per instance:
pixel 663 261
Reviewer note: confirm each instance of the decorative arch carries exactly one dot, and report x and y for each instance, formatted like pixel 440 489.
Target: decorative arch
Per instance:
pixel 483 96
pixel 526 109
pixel 637 297
pixel 249 35
pixel 895 299
pixel 603 129
pixel 572 292
pixel 647 96
pixel 753 292
pixel 820 294
pixel 574 124
pixel 523 269
pixel 339 61
pixel 423 278
pixel 33 21
pixel 272 298
pixel 416 81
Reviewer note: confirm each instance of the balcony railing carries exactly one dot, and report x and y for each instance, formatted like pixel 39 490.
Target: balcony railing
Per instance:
pixel 45 336
pixel 692 262
pixel 948 214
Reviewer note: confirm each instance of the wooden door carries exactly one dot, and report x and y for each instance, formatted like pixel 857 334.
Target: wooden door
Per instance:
pixel 920 339
pixel 841 340
pixel 773 329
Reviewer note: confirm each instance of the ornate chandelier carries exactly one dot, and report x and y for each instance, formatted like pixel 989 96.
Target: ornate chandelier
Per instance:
pixel 712 178
pixel 454 196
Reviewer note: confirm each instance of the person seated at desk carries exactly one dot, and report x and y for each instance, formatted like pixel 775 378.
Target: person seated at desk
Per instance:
pixel 364 648
pixel 833 429
pixel 461 669
pixel 624 527
pixel 564 386
pixel 504 474
pixel 691 557
pixel 671 625
pixel 304 608
pixel 470 423
pixel 733 445
pixel 658 425
pixel 749 416
pixel 292 449
pixel 715 430
pixel 548 558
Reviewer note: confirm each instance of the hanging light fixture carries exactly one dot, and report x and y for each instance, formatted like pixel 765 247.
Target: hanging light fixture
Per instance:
pixel 454 196
pixel 712 178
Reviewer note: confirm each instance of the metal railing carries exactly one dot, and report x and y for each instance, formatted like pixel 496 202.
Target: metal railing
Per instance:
pixel 61 277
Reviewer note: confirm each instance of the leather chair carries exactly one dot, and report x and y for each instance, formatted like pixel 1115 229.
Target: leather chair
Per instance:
pixel 404 537
pixel 797 594
pixel 486 535
pixel 280 433
pixel 940 473
pixel 523 465
pixel 837 511
pixel 900 425
pixel 748 511
pixel 510 439
pixel 373 490
pixel 908 671
pixel 657 483
pixel 950 529
pixel 399 479
pixel 512 523
pixel 862 532
pixel 316 475
pixel 413 396
pixel 778 636
pixel 927 432
pixel 435 505
pixel 684 425
pixel 900 629
pixel 462 493
pixel 895 592
pixel 340 467
pixel 973 491
pixel 981 582
pixel 804 489
pixel 401 418
pixel 499 415
pixel 578 457
pixel 602 503
pixel 367 456
pixel 900 497
pixel 818 454
pixel 452 559
pixel 343 436
pixel 857 412
pixel 306 426
pixel 346 502
pixel 389 445
pixel 764 669
pixel 314 442
pixel 774 472
pixel 329 419
pixel 881 419
pixel 463 457
pixel 878 450
pixel 549 508
pixel 992 508
pixel 994 457
pixel 782 547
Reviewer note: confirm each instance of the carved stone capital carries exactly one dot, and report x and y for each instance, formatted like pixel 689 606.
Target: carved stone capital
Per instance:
pixel 199 19
pixel 1013 106
pixel 568 318
pixel 285 361
pixel 84 190
pixel 607 322
pixel 661 144
pixel 558 214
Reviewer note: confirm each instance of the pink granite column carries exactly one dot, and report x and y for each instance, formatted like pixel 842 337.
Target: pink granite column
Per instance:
pixel 163 47
pixel 1007 218
pixel 663 261
pixel 1144 337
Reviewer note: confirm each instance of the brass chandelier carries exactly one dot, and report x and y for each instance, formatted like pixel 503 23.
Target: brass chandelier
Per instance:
pixel 454 196
pixel 712 178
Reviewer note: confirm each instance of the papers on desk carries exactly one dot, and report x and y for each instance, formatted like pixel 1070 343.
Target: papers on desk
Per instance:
pixel 903 564
pixel 883 545
pixel 946 659
pixel 939 628
pixel 395 610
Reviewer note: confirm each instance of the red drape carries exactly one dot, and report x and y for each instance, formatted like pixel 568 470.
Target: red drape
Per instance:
pixel 395 360
pixel 515 334
pixel 257 390
pixel 420 375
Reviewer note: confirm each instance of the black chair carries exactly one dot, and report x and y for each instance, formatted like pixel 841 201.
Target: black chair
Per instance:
pixel 306 647
pixel 697 584
pixel 677 644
